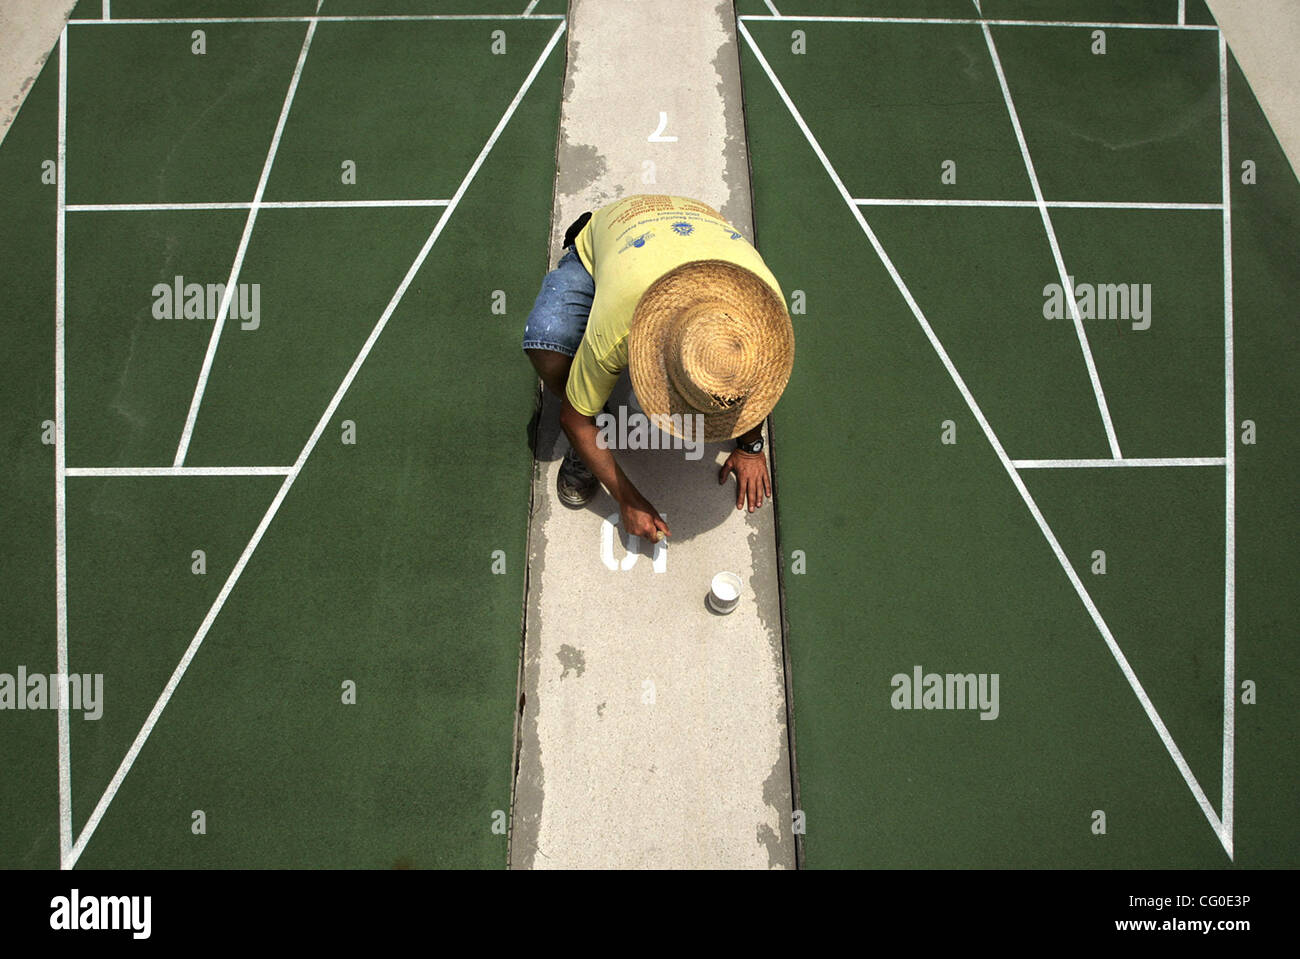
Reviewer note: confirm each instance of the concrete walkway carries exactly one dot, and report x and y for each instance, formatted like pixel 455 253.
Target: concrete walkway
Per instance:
pixel 654 731
pixel 1264 36
pixel 29 29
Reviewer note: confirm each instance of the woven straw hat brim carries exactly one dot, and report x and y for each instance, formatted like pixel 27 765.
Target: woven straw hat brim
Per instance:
pixel 743 346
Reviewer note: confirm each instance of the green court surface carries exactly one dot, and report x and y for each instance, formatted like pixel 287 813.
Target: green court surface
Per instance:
pixel 1101 512
pixel 349 453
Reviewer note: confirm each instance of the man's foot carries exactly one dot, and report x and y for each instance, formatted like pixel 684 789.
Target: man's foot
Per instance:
pixel 576 484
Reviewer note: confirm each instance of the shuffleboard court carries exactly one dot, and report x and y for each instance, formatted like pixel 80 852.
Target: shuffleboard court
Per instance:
pixel 994 462
pixel 268 475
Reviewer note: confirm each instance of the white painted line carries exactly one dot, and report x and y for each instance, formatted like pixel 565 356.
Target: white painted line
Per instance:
pixel 345 204
pixel 1110 464
pixel 361 18
pixel 1182 12
pixel 200 386
pixel 1033 204
pixel 1066 285
pixel 93 822
pixel 153 207
pixel 60 458
pixel 180 470
pixel 959 21
pixel 247 204
pixel 108 10
pixel 1122 205
pixel 1170 746
pixel 772 6
pixel 532 5
pixel 886 201
pixel 1230 453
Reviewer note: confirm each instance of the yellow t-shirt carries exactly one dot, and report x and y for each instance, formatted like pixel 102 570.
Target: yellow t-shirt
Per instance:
pixel 625 247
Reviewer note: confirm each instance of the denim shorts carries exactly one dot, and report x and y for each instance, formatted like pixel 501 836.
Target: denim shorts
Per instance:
pixel 559 316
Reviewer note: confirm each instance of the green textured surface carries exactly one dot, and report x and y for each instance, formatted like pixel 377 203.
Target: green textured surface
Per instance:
pixel 985 301
pixel 921 553
pixel 319 302
pixel 188 128
pixel 377 567
pixel 1140 123
pixel 130 377
pixel 29 796
pixel 1164 386
pixel 412 131
pixel 922 114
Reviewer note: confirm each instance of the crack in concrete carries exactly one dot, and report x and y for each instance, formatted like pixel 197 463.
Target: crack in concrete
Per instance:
pixel 530 772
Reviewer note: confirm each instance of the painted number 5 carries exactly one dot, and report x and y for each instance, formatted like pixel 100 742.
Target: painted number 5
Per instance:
pixel 658 561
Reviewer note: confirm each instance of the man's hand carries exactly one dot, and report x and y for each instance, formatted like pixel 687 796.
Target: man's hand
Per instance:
pixel 752 481
pixel 642 519
pixel 639 517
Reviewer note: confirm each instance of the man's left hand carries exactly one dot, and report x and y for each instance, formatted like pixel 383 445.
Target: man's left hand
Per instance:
pixel 752 482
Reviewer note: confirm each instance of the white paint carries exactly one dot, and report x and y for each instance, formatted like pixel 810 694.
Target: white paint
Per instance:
pixel 607 528
pixel 60 458
pixel 1108 464
pixel 142 21
pixel 247 204
pixel 1230 453
pixel 1080 590
pixel 958 21
pixel 1033 204
pixel 180 470
pixel 608 534
pixel 93 822
pixel 725 589
pixel 658 135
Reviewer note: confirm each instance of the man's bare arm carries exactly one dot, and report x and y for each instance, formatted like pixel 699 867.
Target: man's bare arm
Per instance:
pixel 639 516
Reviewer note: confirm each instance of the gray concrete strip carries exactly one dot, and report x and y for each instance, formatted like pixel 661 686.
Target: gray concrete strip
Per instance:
pixel 29 29
pixel 653 731
pixel 1264 36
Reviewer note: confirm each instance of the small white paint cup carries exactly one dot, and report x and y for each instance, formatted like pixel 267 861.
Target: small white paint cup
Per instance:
pixel 724 592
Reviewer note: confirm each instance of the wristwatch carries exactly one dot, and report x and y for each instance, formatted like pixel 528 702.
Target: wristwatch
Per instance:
pixel 754 447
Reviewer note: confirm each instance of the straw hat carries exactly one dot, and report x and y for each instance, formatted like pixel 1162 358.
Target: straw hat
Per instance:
pixel 710 337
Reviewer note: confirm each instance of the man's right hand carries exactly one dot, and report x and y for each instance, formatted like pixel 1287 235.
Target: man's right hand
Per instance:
pixel 642 519
pixel 639 517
